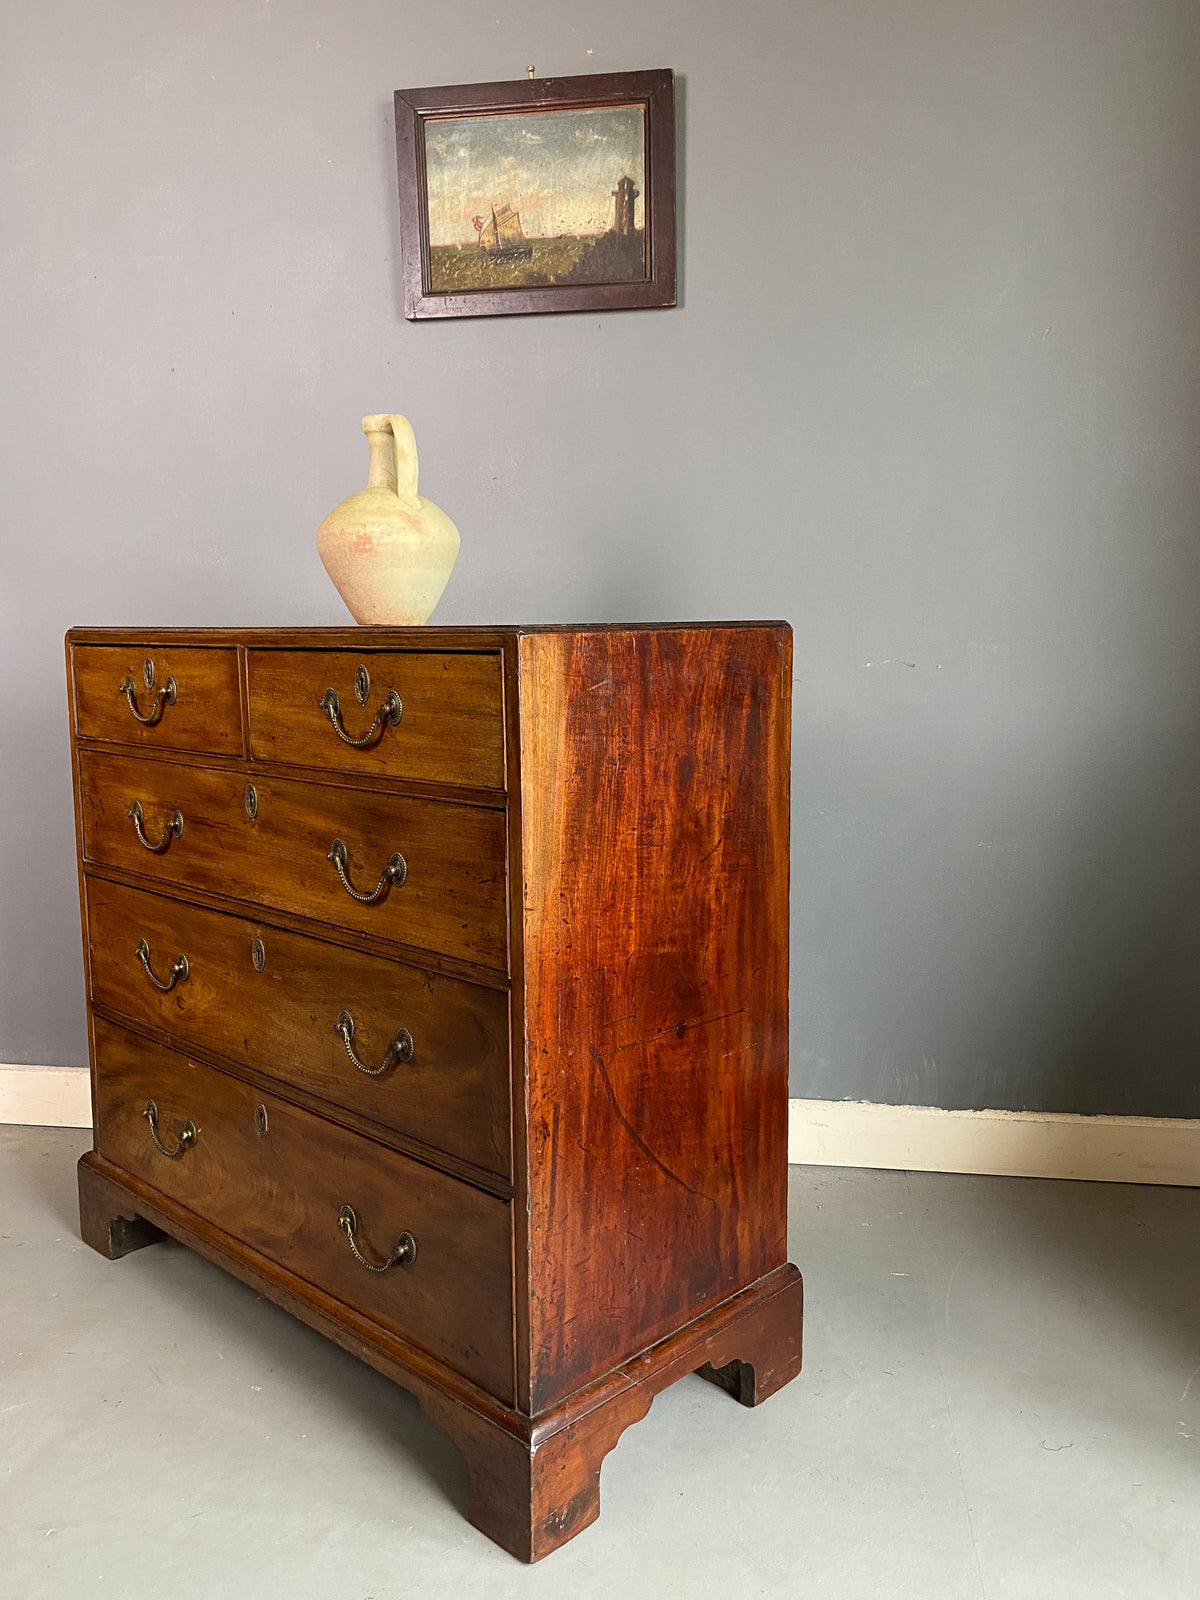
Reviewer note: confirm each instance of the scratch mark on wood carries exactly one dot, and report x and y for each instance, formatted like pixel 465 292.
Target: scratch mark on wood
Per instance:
pixel 634 1134
pixel 676 1028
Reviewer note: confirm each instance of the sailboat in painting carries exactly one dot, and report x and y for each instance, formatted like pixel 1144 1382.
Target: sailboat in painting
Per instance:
pixel 503 238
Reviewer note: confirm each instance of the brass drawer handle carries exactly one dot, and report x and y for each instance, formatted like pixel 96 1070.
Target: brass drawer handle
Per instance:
pixel 395 872
pixel 164 697
pixel 187 1136
pixel 389 712
pixel 403 1252
pixel 178 973
pixel 172 828
pixel 400 1049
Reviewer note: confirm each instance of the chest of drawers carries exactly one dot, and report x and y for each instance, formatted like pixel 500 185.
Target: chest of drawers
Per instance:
pixel 437 987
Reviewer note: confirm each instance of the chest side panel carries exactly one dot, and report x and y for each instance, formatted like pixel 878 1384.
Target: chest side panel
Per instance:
pixel 654 790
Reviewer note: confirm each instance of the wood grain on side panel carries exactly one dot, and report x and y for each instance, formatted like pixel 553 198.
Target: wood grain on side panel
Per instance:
pixel 654 791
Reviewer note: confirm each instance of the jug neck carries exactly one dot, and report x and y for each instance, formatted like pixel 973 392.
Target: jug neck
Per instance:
pixel 393 455
pixel 382 473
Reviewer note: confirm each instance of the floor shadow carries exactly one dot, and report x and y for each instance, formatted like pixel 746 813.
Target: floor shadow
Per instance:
pixel 223 1310
pixel 381 1409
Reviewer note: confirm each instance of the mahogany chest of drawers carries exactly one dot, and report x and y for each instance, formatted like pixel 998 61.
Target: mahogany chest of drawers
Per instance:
pixel 437 987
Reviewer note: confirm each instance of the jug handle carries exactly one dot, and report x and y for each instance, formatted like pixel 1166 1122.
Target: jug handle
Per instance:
pixel 393 454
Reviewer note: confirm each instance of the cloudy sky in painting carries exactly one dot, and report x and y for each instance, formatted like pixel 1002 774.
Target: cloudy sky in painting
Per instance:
pixel 557 168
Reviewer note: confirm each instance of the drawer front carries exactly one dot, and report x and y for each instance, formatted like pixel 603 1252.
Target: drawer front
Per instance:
pixel 449 727
pixel 272 1000
pixel 451 899
pixel 192 703
pixel 280 1191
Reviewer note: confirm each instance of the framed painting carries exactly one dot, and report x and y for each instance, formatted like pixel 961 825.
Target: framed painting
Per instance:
pixel 544 194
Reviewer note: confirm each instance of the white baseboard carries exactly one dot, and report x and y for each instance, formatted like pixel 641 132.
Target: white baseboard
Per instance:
pixel 46 1097
pixel 1013 1144
pixel 835 1133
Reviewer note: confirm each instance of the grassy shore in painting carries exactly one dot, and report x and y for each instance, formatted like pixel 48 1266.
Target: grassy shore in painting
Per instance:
pixel 518 200
pixel 600 258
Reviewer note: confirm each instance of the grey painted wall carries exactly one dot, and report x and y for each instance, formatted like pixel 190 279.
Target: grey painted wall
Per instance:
pixel 932 394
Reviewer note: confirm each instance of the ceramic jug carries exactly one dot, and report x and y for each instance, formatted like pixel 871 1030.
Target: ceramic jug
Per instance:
pixel 388 551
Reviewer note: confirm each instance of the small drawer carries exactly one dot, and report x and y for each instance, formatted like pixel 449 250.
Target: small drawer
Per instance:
pixel 435 1049
pixel 424 873
pixel 431 715
pixel 277 1178
pixel 158 697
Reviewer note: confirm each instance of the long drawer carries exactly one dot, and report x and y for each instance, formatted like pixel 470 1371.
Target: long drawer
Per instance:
pixel 168 698
pixel 270 841
pixel 277 1178
pixel 428 714
pixel 435 1049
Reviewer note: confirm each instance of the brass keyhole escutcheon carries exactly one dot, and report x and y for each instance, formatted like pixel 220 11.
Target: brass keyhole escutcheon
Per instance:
pixel 258 954
pixel 362 684
pixel 251 801
pixel 148 672
pixel 260 1120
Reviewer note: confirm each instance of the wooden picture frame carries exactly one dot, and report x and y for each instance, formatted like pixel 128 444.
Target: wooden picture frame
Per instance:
pixel 528 196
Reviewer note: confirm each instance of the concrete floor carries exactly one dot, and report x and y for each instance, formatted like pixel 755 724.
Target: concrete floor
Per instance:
pixel 1001 1398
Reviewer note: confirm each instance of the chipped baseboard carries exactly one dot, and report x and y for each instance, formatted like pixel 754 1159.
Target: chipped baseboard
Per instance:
pixel 1013 1144
pixel 46 1097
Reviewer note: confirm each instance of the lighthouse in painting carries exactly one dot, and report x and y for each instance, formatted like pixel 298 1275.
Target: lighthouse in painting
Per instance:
pixel 624 195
